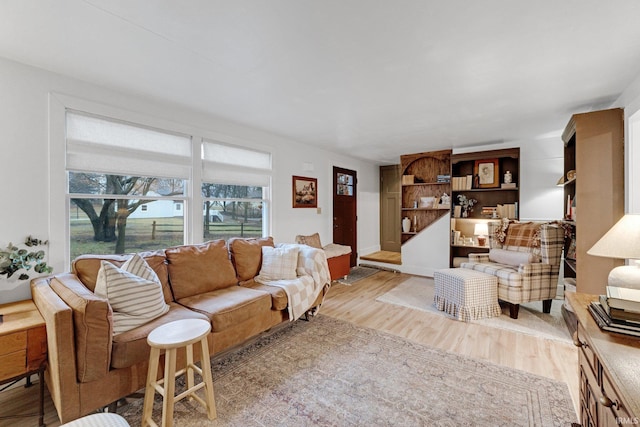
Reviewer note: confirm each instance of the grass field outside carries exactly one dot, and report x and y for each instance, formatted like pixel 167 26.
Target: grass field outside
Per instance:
pixel 140 235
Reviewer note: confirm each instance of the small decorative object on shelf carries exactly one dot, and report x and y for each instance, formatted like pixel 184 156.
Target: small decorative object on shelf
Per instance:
pixel 507 177
pixel 13 259
pixel 406 224
pixel 466 204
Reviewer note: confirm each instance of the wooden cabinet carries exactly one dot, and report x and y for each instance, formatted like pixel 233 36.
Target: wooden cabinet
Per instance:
pixel 609 367
pixel 23 345
pixel 498 196
pixel 426 177
pixel 593 183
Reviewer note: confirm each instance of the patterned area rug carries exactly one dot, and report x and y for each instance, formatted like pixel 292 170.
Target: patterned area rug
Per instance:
pixel 329 372
pixel 417 293
pixel 357 273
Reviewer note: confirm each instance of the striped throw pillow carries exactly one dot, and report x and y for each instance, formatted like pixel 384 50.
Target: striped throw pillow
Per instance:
pixel 133 291
pixel 278 263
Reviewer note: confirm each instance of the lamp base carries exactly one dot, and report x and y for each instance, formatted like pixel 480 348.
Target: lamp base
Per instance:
pixel 625 276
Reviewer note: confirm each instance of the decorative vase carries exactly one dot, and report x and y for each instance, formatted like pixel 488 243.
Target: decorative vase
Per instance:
pixel 507 177
pixel 406 224
pixel 465 213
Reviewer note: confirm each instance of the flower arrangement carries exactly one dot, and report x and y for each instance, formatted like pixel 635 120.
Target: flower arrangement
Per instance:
pixel 467 204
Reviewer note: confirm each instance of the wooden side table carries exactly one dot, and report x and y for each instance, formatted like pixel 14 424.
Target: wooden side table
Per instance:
pixel 23 348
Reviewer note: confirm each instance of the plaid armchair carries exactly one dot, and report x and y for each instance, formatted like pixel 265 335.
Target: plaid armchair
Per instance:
pixel 525 257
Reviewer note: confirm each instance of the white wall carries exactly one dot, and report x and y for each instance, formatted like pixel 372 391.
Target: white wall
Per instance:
pixel 24 174
pixel 630 101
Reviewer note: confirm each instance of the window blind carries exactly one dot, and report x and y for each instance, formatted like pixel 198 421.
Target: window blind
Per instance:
pixel 227 164
pixel 103 145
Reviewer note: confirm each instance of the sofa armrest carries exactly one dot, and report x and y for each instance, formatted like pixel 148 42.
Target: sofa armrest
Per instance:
pixel 61 367
pixel 479 257
pixel 92 326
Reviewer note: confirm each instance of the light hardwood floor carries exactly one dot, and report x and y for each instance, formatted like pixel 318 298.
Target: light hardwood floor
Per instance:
pixel 357 304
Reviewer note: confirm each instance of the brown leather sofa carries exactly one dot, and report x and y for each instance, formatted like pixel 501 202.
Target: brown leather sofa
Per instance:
pixel 89 367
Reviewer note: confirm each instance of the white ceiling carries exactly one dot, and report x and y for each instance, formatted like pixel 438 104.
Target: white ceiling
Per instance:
pixel 374 79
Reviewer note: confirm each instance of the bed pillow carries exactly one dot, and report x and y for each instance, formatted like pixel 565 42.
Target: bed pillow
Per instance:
pixel 278 263
pixel 502 256
pixel 133 291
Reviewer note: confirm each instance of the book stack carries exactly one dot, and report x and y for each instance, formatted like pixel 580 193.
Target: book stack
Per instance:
pixel 618 311
pixel 507 210
pixel 460 183
pixel 444 178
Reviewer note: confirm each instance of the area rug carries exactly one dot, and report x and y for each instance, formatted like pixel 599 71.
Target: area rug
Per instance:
pixel 357 273
pixel 417 293
pixel 328 372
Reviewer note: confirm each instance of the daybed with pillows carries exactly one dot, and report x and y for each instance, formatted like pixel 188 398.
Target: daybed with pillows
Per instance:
pixel 99 315
pixel 525 257
pixel 338 256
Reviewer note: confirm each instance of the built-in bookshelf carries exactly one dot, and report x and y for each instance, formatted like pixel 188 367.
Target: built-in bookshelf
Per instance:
pixel 491 179
pixel 593 182
pixel 426 177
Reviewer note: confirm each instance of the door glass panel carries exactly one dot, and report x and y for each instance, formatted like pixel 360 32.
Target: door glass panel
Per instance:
pixel 345 185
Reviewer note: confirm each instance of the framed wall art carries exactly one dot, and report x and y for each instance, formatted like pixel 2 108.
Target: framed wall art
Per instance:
pixel 487 173
pixel 305 192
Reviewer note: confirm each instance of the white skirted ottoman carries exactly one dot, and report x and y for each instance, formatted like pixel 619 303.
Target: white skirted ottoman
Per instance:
pixel 466 294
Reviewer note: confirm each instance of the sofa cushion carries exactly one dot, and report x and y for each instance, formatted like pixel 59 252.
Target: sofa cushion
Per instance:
pixel 312 240
pixel 503 256
pixel 92 324
pixel 131 347
pixel 196 269
pixel 246 255
pixel 86 267
pixel 229 306
pixel 133 291
pixel 279 298
pixel 279 263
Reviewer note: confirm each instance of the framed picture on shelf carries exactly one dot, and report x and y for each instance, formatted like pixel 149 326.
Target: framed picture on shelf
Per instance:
pixel 305 192
pixel 487 173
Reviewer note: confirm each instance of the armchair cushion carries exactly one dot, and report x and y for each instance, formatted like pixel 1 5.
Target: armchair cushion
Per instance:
pixel 503 256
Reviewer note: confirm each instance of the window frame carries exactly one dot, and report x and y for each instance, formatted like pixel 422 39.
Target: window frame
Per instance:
pixel 59 207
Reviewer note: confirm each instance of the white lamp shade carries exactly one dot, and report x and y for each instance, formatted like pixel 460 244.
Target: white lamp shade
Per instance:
pixel 621 241
pixel 481 229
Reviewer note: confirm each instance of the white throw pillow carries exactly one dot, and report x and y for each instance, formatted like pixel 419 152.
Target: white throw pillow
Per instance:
pixel 515 258
pixel 278 263
pixel 133 291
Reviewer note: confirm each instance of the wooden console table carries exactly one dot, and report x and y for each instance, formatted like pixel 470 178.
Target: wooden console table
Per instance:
pixel 23 348
pixel 609 366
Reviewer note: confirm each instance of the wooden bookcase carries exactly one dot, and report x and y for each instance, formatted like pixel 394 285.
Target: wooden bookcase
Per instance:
pixel 487 196
pixel 425 168
pixel 594 154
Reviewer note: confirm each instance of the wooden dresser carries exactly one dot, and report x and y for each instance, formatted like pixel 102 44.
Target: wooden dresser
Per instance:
pixel 23 346
pixel 609 366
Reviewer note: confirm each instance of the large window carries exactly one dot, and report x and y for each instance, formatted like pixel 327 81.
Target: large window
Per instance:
pixel 234 190
pixel 130 187
pixel 122 214
pixel 232 211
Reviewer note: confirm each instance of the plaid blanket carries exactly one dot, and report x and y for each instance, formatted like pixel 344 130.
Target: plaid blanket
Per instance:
pixel 313 276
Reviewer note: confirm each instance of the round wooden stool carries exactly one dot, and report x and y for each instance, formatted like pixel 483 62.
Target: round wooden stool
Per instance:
pixel 170 337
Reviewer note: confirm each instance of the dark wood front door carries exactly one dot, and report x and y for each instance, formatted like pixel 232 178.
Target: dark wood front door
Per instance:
pixel 345 213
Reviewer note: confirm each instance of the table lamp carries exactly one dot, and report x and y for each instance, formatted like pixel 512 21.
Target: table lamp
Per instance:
pixel 622 241
pixel 481 230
